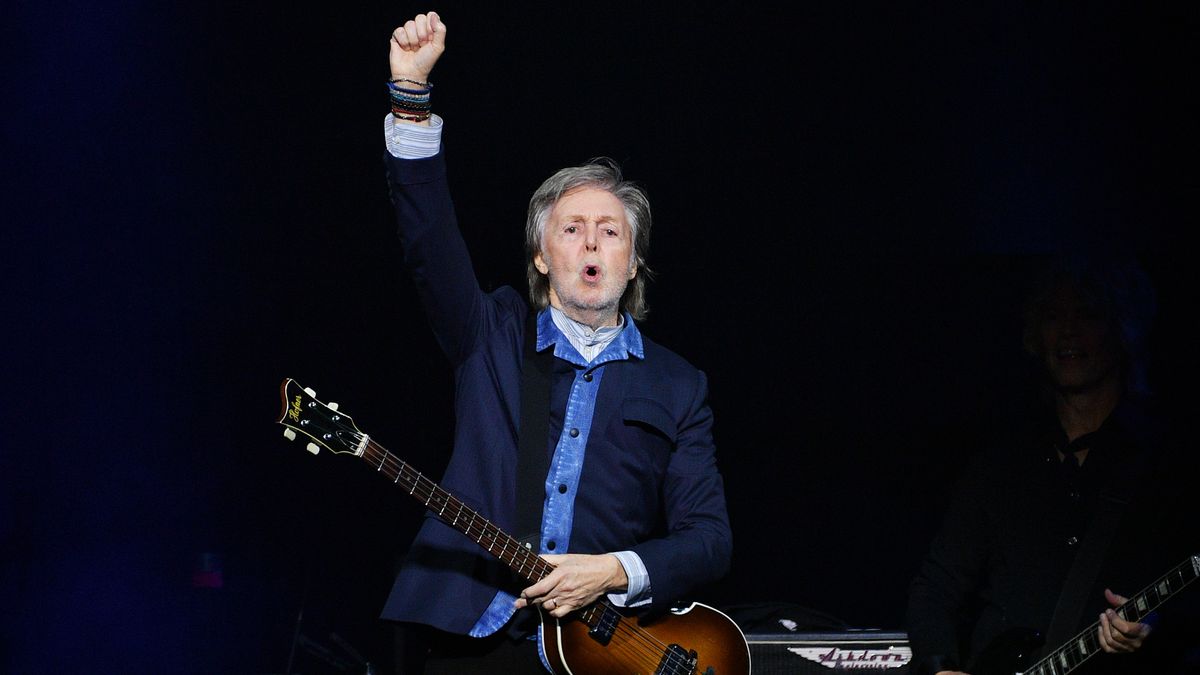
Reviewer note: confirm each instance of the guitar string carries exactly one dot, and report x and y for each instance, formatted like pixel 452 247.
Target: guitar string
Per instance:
pixel 1089 634
pixel 640 638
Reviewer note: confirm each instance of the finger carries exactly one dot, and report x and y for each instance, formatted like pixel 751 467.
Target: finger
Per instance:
pixel 541 589
pixel 1114 599
pixel 438 28
pixel 1131 630
pixel 410 35
pixel 422 23
pixel 1102 634
pixel 400 38
pixel 1112 639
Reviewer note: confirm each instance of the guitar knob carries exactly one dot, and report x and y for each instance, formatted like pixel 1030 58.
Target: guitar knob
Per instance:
pixel 310 392
pixel 289 434
pixel 313 448
pixel 331 405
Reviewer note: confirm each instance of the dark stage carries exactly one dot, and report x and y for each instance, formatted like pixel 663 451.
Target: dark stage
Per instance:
pixel 197 210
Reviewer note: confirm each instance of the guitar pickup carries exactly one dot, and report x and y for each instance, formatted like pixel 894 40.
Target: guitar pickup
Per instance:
pixel 602 632
pixel 677 661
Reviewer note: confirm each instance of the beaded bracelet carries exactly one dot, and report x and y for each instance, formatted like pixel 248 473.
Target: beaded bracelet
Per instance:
pixel 425 85
pixel 411 118
pixel 412 105
pixel 402 95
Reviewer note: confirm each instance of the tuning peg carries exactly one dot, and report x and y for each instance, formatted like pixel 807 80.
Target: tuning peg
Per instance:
pixel 313 448
pixel 310 392
pixel 289 434
pixel 331 406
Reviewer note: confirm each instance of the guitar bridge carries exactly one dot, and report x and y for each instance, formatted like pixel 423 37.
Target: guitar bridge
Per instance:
pixel 677 661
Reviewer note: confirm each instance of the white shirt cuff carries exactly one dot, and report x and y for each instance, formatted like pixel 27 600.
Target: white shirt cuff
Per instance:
pixel 412 141
pixel 637 593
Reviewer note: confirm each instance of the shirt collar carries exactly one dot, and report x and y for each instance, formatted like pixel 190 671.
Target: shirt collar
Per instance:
pixel 626 344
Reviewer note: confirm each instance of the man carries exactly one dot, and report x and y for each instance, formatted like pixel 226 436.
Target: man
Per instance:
pixel 632 506
pixel 1048 524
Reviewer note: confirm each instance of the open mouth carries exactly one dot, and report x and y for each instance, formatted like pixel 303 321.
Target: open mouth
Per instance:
pixel 1070 354
pixel 591 272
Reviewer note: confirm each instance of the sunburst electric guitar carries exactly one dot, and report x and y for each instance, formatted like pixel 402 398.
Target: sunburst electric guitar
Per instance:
pixel 597 639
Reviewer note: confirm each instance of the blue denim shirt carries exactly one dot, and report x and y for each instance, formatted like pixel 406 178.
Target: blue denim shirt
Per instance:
pixel 562 481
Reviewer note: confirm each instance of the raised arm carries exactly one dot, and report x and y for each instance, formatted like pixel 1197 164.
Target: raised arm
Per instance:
pixel 415 48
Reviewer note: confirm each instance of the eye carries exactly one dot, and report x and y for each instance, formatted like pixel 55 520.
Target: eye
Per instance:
pixel 610 232
pixel 571 229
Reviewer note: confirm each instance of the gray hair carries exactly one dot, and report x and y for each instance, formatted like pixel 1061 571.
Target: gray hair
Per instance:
pixel 604 174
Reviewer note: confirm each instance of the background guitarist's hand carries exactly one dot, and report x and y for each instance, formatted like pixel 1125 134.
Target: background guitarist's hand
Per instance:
pixel 1116 634
pixel 577 581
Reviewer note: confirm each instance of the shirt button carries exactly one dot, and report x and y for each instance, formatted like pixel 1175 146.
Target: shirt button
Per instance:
pixel 574 433
pixel 587 377
pixel 550 545
pixel 1071 541
pixel 562 489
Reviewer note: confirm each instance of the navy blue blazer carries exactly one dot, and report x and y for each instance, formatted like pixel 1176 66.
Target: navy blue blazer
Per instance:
pixel 649 484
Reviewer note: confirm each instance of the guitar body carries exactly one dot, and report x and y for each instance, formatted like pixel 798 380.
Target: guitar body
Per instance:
pixel 645 647
pixel 1009 653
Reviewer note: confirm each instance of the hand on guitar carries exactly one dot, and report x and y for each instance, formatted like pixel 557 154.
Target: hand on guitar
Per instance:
pixel 577 581
pixel 1116 635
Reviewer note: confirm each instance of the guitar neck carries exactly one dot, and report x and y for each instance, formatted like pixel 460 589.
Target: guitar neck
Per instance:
pixel 450 510
pixel 1086 644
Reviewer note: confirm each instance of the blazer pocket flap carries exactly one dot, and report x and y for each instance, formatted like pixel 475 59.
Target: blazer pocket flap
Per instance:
pixel 647 412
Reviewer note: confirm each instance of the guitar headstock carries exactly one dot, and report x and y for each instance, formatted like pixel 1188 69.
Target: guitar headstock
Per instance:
pixel 304 414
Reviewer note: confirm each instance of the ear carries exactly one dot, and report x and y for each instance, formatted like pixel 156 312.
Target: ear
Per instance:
pixel 540 263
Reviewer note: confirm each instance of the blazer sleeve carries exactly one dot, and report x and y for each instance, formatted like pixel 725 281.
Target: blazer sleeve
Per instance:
pixel 435 253
pixel 698 542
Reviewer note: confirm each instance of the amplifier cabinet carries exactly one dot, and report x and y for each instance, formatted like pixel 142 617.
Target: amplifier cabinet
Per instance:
pixel 853 651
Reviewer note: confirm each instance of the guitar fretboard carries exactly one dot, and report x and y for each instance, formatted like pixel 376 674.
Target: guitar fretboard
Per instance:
pixel 1086 644
pixel 452 511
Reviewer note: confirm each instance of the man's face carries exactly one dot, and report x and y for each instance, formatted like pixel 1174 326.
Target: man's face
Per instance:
pixel 1078 342
pixel 586 252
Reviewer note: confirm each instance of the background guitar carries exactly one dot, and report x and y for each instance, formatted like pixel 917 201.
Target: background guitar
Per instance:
pixel 1011 651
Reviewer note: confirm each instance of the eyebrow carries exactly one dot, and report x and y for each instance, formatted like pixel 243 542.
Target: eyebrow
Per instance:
pixel 602 220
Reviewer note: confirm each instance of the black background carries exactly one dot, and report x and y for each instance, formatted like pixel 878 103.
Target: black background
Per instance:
pixel 848 198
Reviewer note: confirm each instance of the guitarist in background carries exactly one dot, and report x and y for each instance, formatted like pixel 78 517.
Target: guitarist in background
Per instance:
pixel 632 506
pixel 1089 499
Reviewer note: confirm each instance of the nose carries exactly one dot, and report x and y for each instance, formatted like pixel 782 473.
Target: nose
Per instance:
pixel 591 238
